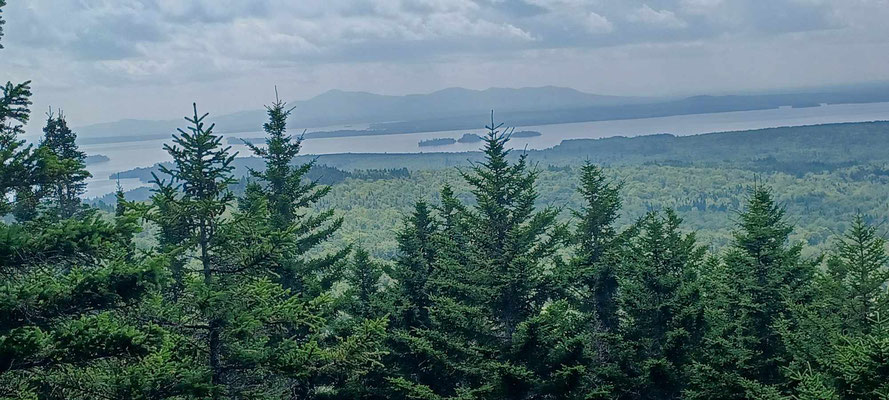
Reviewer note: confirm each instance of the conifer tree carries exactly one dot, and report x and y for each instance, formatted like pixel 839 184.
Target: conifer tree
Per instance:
pixel 65 286
pixel 753 291
pixel 247 334
pixel 856 276
pixel 289 194
pixel 62 166
pixel 16 159
pixel 844 328
pixel 661 301
pixel 415 264
pixel 364 286
pixel 510 239
pixel 440 350
pixel 596 238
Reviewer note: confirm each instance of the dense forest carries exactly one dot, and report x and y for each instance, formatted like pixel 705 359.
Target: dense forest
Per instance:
pixel 489 293
pixel 827 174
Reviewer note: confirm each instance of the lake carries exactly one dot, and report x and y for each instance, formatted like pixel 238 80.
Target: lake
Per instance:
pixel 125 156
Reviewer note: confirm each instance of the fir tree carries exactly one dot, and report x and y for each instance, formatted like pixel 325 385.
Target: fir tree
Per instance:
pixel 595 238
pixel 761 278
pixel 661 300
pixel 856 277
pixel 289 195
pixel 62 166
pixel 417 254
pixel 510 239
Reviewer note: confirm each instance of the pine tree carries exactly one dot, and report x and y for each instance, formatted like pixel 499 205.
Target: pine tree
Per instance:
pixel 858 270
pixel 289 194
pixel 595 238
pixel 754 292
pixel 661 301
pixel 510 239
pixel 62 166
pixel 415 264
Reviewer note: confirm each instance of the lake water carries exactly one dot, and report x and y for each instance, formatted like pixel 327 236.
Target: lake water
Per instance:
pixel 124 156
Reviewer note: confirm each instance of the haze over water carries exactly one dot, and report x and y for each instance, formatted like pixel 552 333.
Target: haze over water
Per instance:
pixel 128 155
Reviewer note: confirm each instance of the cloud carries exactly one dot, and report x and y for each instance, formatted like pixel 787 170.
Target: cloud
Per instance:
pixel 598 24
pixel 171 44
pixel 658 18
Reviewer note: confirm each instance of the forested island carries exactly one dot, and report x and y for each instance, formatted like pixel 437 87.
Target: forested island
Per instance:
pixel 525 134
pixel 470 138
pixel 437 142
pixel 95 159
pixel 228 284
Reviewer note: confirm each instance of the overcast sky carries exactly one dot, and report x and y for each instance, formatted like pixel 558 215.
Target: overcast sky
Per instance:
pixel 103 60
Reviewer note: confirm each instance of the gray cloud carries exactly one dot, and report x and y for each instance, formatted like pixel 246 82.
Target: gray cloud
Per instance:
pixel 142 46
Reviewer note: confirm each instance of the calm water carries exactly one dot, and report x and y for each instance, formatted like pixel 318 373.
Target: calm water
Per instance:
pixel 124 156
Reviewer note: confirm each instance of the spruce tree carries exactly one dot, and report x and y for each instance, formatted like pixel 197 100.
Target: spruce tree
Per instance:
pixel 246 334
pixel 856 276
pixel 290 194
pixel 62 166
pixel 16 159
pixel 660 298
pixel 836 340
pixel 417 253
pixel 65 286
pixel 364 294
pixel 511 240
pixel 595 239
pixel 753 294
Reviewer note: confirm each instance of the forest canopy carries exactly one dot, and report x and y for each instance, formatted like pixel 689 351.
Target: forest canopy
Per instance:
pixel 251 287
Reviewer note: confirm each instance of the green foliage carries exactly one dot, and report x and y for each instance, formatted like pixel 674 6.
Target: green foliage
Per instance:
pixel 489 294
pixel 661 299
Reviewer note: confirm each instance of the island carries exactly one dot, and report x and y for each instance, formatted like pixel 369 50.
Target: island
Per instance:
pixel 437 142
pixel 95 159
pixel 525 134
pixel 470 138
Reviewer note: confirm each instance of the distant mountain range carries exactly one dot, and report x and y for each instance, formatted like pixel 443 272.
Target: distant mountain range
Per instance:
pixel 459 108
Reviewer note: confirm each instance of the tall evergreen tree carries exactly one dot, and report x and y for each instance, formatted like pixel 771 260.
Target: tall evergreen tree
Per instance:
pixel 247 333
pixel 762 277
pixel 415 265
pixel 16 159
pixel 856 276
pixel 289 194
pixel 661 301
pixel 445 352
pixel 511 240
pixel 596 238
pixel 364 286
pixel 65 286
pixel 62 166
pixel 844 329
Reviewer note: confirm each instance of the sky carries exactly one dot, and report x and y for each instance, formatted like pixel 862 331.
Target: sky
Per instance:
pixel 105 60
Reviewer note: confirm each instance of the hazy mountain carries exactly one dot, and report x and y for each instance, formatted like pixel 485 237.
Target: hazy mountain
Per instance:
pixel 458 108
pixel 337 107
